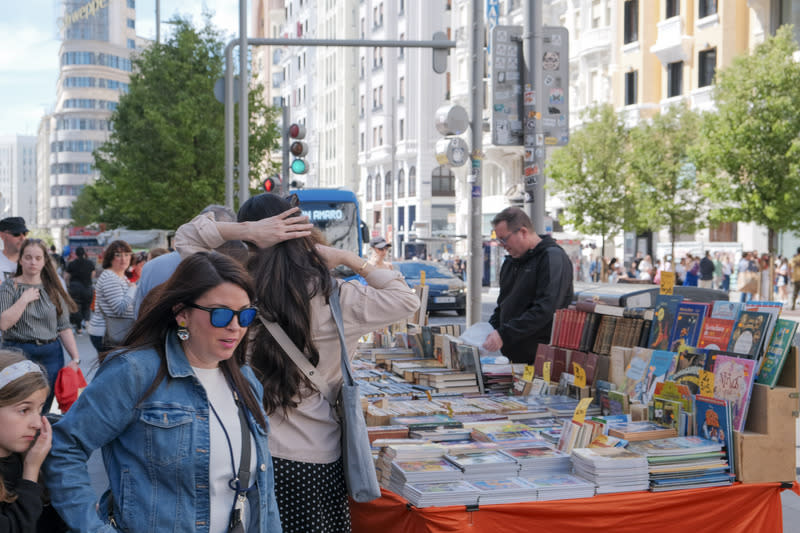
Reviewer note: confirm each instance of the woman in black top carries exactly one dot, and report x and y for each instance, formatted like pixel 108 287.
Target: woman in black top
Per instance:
pixel 78 277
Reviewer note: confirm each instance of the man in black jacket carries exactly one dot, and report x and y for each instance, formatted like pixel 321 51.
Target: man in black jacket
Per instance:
pixel 535 280
pixel 706 271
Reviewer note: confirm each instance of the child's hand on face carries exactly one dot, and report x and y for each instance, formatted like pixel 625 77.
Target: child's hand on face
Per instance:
pixel 37 453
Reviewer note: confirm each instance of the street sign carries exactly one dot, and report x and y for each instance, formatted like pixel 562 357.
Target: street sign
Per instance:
pixel 555 81
pixel 506 85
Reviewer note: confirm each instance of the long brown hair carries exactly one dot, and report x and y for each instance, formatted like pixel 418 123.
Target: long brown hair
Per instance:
pixel 195 275
pixel 289 275
pixel 15 392
pixel 50 280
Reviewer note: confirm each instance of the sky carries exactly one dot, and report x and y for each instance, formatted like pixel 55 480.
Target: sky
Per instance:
pixel 29 44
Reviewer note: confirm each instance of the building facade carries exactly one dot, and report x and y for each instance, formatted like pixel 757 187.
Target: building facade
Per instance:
pixel 18 177
pixel 98 38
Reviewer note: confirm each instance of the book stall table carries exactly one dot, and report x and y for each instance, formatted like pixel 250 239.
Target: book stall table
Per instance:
pixel 740 508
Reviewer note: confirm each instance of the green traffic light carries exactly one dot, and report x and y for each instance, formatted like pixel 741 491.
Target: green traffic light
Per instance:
pixel 299 166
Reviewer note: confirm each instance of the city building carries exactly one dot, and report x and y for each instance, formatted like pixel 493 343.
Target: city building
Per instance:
pixel 98 38
pixel 18 176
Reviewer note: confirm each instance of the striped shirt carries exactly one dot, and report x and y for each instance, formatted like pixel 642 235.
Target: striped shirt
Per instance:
pixel 114 297
pixel 39 321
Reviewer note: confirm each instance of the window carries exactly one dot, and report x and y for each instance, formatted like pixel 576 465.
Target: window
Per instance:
pixel 708 67
pixel 131 44
pixel 673 8
pixel 401 184
pixel 412 186
pixel 674 79
pixel 443 182
pixel 131 23
pixel 706 8
pixel 361 109
pixel 597 13
pixel 401 129
pixel 377 187
pixel 388 183
pixel 380 135
pixel 369 188
pixel 131 4
pixel 631 79
pixel 631 26
pixel 363 141
pixel 401 89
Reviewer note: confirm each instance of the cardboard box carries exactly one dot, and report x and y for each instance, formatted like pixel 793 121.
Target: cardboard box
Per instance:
pixel 765 450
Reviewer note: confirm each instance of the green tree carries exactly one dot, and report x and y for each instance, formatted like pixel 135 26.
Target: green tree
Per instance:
pixel 749 150
pixel 589 174
pixel 164 161
pixel 662 176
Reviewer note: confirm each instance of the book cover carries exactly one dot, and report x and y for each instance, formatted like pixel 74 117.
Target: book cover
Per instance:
pixel 726 309
pixel 733 381
pixel 544 353
pixel 666 308
pixel 713 422
pixel 748 333
pixel 690 362
pixel 662 363
pixel 778 349
pixel 636 373
pixel 688 323
pixel 666 412
pixel 716 333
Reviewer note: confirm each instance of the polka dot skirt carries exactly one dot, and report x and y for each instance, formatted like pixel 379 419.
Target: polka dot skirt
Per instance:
pixel 312 498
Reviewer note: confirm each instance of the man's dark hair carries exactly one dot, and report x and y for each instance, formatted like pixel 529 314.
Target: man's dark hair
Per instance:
pixel 80 252
pixel 515 218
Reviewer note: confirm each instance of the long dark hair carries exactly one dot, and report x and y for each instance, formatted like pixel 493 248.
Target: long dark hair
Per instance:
pixel 50 280
pixel 289 275
pixel 195 275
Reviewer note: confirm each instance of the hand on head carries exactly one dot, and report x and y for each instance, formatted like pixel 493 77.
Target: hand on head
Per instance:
pixel 282 227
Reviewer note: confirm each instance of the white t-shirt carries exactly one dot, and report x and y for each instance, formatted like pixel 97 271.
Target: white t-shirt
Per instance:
pixel 219 469
pixel 8 268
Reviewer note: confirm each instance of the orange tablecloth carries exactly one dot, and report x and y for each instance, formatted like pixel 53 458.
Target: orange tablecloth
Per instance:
pixel 744 508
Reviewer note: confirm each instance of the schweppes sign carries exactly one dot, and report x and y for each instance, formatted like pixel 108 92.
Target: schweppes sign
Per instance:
pixel 88 9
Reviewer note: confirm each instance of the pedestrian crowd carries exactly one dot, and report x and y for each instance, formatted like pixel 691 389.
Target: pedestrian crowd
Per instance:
pixel 204 421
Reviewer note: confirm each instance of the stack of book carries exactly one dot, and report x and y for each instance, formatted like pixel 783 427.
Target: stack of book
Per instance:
pixel 441 434
pixel 539 461
pixel 640 430
pixel 428 471
pixel 611 469
pixel 684 463
pixel 484 464
pixel 561 487
pixel 441 493
pixel 507 490
pixel 503 432
pixel 402 450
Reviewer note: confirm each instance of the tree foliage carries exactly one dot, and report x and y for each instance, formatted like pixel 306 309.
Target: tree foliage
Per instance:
pixel 589 174
pixel 164 161
pixel 749 153
pixel 662 178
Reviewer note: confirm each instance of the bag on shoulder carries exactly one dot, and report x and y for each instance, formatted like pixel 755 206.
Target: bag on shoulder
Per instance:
pixel 117 329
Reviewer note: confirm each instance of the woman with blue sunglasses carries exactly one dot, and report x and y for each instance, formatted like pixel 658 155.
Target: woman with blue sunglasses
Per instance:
pixel 178 415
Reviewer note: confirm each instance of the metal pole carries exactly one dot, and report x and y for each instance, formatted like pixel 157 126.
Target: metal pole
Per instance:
pixel 532 44
pixel 285 146
pixel 158 21
pixel 244 124
pixel 229 124
pixel 474 195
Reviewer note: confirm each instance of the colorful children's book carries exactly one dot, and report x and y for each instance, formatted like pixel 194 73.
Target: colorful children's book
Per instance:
pixel 716 333
pixel 691 361
pixel 748 333
pixel 688 323
pixel 666 412
pixel 733 381
pixel 713 422
pixel 662 363
pixel 666 308
pixel 636 373
pixel 778 349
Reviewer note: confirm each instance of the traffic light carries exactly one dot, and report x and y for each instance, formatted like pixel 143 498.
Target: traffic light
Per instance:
pixel 272 184
pixel 298 148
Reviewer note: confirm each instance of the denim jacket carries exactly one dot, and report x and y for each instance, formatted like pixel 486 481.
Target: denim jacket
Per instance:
pixel 155 451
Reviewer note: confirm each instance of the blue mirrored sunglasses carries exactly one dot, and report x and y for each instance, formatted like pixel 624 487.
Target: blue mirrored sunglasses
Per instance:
pixel 222 316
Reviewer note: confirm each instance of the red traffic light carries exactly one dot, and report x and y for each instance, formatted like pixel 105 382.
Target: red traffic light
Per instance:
pixel 298 149
pixel 272 184
pixel 297 131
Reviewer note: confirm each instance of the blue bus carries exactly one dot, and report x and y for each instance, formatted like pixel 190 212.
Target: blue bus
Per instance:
pixel 335 212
